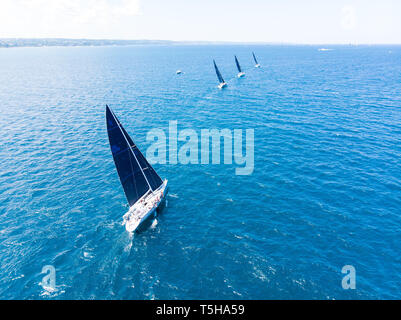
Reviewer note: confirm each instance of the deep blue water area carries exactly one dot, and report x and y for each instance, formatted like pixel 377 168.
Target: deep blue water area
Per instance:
pixel 325 191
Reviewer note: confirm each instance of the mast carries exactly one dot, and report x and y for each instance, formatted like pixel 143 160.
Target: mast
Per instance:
pixel 122 131
pixel 254 58
pixel 136 175
pixel 237 63
pixel 219 76
pixel 154 179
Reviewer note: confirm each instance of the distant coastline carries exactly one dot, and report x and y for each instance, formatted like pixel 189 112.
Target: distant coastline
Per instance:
pixel 64 42
pixel 57 42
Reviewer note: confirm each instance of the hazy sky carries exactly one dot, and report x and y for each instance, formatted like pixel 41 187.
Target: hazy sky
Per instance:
pixel 295 21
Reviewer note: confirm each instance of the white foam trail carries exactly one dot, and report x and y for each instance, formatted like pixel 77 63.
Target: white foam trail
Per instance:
pixel 88 255
pixel 51 292
pixel 19 277
pixel 154 224
pixel 128 247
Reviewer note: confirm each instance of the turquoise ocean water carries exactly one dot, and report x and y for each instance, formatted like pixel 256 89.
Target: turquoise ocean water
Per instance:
pixel 325 191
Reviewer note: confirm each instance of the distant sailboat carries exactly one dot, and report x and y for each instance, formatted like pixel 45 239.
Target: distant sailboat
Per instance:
pixel 257 65
pixel 144 189
pixel 178 72
pixel 222 83
pixel 240 73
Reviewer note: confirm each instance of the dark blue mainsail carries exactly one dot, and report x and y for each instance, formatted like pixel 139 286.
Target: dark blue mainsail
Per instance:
pixel 151 175
pixel 237 63
pixel 219 76
pixel 254 58
pixel 136 175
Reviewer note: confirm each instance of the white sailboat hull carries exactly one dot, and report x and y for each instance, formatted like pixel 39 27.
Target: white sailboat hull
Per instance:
pixel 257 65
pixel 145 209
pixel 222 85
pixel 241 74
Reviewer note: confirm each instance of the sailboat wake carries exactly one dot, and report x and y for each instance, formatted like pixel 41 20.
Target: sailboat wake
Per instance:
pixel 154 224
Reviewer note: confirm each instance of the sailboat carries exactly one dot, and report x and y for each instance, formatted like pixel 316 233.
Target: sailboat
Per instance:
pixel 222 83
pixel 240 73
pixel 257 65
pixel 143 187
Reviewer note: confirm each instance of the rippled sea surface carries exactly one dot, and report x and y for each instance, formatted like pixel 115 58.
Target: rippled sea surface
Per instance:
pixel 325 192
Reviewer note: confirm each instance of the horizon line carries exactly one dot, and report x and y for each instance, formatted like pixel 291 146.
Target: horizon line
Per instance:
pixel 197 41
